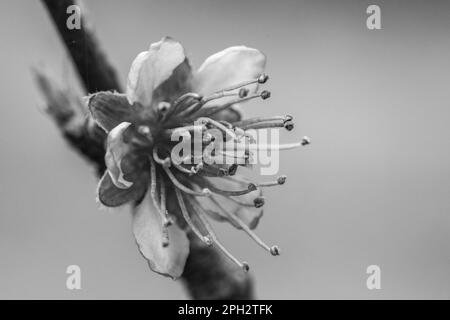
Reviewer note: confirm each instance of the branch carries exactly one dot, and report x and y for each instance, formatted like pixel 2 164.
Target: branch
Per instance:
pixel 91 63
pixel 207 275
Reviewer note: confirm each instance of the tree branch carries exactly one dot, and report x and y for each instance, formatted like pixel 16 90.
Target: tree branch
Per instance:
pixel 207 275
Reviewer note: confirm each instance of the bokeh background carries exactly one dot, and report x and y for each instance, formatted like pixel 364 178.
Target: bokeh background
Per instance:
pixel 373 188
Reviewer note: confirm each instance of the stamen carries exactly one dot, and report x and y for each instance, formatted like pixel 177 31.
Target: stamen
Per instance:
pixel 266 125
pixel 191 110
pixel 258 202
pixel 244 123
pixel 179 105
pixel 218 125
pixel 214 170
pixel 163 106
pixel 164 162
pixel 289 125
pixel 279 181
pixel 181 168
pixel 251 187
pixel 218 95
pixel 164 220
pixel 189 129
pixel 268 147
pixel 273 250
pixel 243 92
pixel 232 169
pixel 202 216
pixel 195 169
pixel 186 96
pixel 188 220
pixel 305 141
pixel 163 201
pixel 213 110
pixel 265 94
pixel 146 132
pixel 204 193
pixel 261 79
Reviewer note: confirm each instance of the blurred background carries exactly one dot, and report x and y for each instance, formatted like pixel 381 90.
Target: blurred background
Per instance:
pixel 373 188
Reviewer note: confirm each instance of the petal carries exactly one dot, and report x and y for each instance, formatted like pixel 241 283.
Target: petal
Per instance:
pixel 147 229
pixel 111 196
pixel 151 68
pixel 229 67
pixel 176 85
pixel 231 114
pixel 110 109
pixel 122 160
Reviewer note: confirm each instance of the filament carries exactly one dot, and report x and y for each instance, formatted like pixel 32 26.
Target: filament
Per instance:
pixel 188 220
pixel 202 216
pixel 164 162
pixel 178 185
pixel 274 250
pixel 164 220
pixel 279 181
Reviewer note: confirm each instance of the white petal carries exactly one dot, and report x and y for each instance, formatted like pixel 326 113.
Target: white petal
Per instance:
pixel 116 149
pixel 147 229
pixel 226 68
pixel 151 68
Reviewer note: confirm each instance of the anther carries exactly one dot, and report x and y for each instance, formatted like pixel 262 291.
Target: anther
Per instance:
pixel 281 179
pixel 252 187
pixel 232 169
pixel 223 172
pixel 195 169
pixel 163 106
pixel 206 192
pixel 208 240
pixel 245 266
pixel 265 94
pixel 243 92
pixel 207 137
pixel 275 251
pixel 305 141
pixel 289 125
pixel 258 202
pixel 263 78
pixel 165 240
pixel 146 132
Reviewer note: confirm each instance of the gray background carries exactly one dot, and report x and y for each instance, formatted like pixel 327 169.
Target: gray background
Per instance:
pixel 373 188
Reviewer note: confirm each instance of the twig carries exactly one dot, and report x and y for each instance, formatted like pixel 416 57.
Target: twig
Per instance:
pixel 94 69
pixel 207 274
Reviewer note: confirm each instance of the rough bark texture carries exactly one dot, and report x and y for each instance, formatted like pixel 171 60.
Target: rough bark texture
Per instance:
pixel 207 275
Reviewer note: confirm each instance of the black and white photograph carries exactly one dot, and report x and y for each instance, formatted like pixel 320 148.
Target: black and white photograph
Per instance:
pixel 249 150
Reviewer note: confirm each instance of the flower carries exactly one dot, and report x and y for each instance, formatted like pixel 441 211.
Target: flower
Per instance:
pixel 164 95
